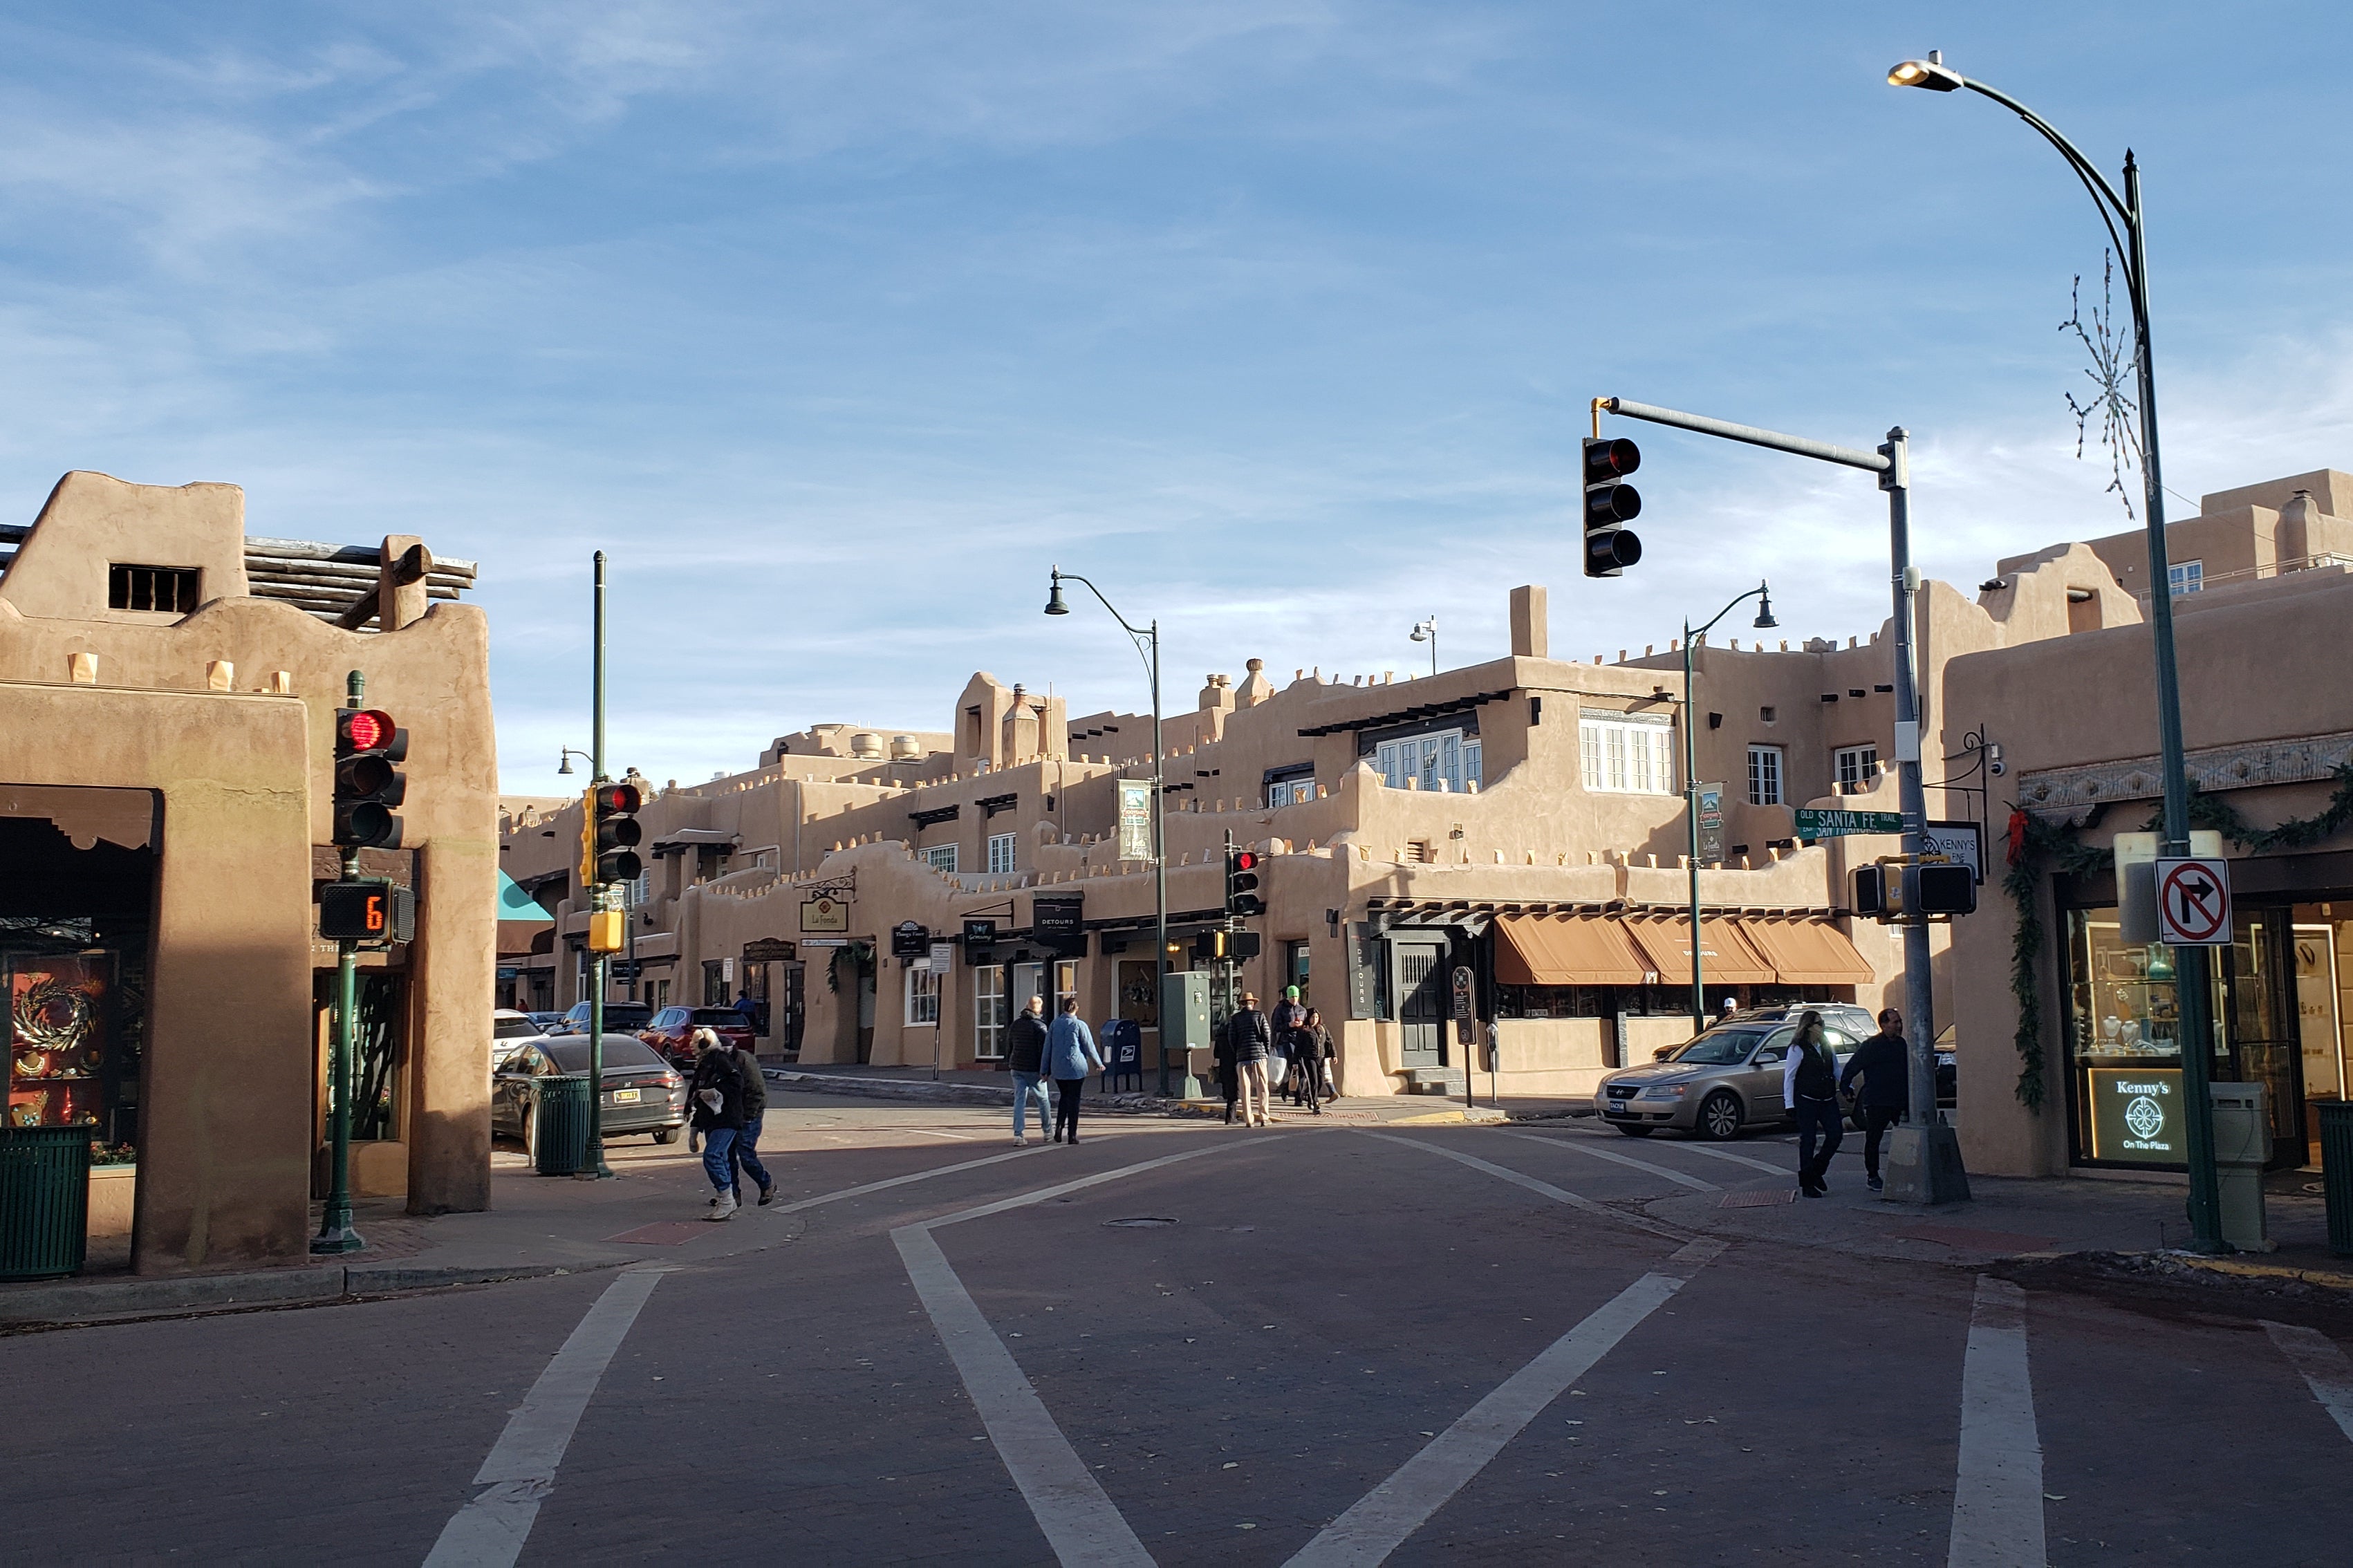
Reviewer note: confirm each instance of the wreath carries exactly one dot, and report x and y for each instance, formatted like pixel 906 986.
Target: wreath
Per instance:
pixel 51 1015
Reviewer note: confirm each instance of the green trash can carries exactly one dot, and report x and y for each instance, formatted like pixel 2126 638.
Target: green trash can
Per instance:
pixel 2336 1172
pixel 559 1124
pixel 44 1201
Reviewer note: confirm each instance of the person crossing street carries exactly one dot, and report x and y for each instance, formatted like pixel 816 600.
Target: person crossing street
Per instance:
pixel 1880 1062
pixel 1250 1040
pixel 1071 1054
pixel 1025 1055
pixel 1809 1091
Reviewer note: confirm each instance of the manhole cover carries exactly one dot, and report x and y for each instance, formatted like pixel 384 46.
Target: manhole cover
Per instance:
pixel 1758 1200
pixel 1140 1222
pixel 2315 1187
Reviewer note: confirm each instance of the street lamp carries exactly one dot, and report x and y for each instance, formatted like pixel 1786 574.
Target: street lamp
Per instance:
pixel 1427 631
pixel 1763 594
pixel 564 762
pixel 1147 647
pixel 2195 1001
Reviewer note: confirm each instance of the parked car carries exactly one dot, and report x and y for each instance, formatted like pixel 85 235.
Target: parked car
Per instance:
pixel 625 1016
pixel 1726 1079
pixel 549 1023
pixel 641 1093
pixel 672 1030
pixel 509 1028
pixel 1849 1018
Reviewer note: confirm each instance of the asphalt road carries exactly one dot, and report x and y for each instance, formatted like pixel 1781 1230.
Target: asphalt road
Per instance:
pixel 1328 1344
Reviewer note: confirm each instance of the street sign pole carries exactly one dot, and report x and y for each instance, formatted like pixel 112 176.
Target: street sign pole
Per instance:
pixel 594 892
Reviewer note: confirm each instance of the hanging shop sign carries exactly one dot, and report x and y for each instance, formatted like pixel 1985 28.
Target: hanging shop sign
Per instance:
pixel 770 950
pixel 909 939
pixel 979 934
pixel 1059 921
pixel 1136 819
pixel 1960 842
pixel 825 914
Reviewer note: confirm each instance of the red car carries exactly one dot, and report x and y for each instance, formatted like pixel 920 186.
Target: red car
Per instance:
pixel 672 1031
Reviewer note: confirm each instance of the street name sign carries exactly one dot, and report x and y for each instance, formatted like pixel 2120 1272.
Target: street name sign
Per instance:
pixel 2193 903
pixel 1815 822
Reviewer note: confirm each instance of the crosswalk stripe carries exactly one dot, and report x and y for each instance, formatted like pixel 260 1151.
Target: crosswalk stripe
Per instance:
pixel 1578 1146
pixel 2324 1367
pixel 1997 1492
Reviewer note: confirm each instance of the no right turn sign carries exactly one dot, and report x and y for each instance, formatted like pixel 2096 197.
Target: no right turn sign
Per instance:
pixel 2193 903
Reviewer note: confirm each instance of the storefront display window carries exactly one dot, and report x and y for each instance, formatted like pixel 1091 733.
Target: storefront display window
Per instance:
pixel 2124 1045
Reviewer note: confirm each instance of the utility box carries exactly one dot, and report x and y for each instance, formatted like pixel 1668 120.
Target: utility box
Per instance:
pixel 1185 1025
pixel 2243 1145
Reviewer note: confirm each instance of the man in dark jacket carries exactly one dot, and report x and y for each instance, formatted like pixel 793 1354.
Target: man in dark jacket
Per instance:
pixel 1026 1056
pixel 1250 1039
pixel 1885 1064
pixel 716 1098
pixel 1286 1021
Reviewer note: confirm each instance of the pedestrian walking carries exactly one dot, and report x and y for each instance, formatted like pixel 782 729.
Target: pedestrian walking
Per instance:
pixel 1230 1077
pixel 1285 1021
pixel 1882 1063
pixel 1251 1039
pixel 749 1005
pixel 1071 1054
pixel 1809 1091
pixel 716 1095
pixel 747 1138
pixel 1025 1053
pixel 1307 1063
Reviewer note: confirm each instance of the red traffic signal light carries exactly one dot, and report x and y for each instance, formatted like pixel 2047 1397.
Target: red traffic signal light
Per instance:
pixel 361 730
pixel 367 783
pixel 1245 859
pixel 1242 883
pixel 612 797
pixel 610 834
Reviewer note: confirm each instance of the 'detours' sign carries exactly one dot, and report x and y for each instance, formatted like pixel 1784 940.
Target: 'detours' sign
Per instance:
pixel 2137 1115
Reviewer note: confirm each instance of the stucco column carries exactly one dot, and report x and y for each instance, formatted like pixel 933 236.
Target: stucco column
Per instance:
pixel 452 965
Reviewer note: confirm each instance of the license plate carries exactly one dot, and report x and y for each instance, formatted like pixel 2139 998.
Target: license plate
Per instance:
pixel 625 1097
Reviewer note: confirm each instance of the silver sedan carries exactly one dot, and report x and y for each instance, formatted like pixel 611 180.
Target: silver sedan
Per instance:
pixel 1726 1078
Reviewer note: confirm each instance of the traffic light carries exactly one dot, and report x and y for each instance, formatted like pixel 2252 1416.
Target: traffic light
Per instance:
pixel 1610 504
pixel 1950 888
pixel 1238 945
pixel 367 783
pixel 1242 899
pixel 610 834
pixel 1870 890
pixel 371 910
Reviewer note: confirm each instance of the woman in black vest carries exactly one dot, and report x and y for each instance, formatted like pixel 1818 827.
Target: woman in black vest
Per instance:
pixel 1810 1089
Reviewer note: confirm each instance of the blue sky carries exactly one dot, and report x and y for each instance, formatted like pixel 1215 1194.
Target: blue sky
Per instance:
pixel 836 325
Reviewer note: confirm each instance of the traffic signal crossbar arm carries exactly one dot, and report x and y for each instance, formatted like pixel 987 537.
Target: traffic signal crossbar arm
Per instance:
pixel 1799 446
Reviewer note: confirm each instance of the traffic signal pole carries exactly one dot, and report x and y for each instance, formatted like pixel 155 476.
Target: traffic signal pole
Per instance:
pixel 335 1232
pixel 1925 1156
pixel 598 1170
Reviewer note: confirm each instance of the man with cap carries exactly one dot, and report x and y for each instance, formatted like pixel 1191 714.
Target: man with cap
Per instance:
pixel 1289 1021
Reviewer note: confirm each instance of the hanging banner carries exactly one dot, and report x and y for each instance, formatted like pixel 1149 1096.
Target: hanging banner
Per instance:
pixel 1136 819
pixel 1711 823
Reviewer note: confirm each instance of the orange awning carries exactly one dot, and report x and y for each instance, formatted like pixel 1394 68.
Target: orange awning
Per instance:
pixel 1565 950
pixel 1726 958
pixel 1808 953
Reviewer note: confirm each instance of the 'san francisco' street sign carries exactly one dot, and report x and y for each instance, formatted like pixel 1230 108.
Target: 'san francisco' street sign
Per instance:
pixel 1813 822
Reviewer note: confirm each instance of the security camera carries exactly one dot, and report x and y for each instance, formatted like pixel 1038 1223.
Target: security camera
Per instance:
pixel 1996 767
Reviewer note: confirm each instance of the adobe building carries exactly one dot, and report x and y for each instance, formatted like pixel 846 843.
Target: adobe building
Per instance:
pixel 167 691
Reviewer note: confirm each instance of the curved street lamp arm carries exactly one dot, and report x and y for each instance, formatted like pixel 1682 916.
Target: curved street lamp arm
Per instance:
pixel 2103 195
pixel 1144 637
pixel 1690 631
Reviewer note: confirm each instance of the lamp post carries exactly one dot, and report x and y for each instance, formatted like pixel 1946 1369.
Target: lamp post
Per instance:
pixel 1763 594
pixel 1427 631
pixel 2195 1003
pixel 1148 646
pixel 564 762
pixel 597 1168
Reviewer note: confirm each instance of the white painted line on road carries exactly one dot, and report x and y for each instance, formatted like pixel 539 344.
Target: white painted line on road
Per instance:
pixel 489 1531
pixel 1080 1520
pixel 1627 1160
pixel 1557 1195
pixel 2326 1371
pixel 1998 1494
pixel 934 1132
pixel 1748 1160
pixel 1383 1520
pixel 824 1198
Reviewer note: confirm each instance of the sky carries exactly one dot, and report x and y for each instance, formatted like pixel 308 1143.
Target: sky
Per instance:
pixel 837 326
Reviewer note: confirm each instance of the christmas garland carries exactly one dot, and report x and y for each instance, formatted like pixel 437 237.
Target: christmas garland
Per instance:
pixel 2036 846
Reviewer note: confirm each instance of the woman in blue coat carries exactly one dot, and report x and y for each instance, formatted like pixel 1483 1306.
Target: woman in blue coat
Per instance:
pixel 1071 1054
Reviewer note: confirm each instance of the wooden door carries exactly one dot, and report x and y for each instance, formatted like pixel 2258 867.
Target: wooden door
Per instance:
pixel 1421 1002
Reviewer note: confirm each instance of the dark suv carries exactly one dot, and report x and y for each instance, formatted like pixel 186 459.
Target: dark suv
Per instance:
pixel 621 1017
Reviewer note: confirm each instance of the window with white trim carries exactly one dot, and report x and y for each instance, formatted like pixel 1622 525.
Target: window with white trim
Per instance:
pixel 941 857
pixel 1627 754
pixel 1856 767
pixel 988 1018
pixel 1290 792
pixel 1000 853
pixel 2185 576
pixel 922 996
pixel 1436 762
pixel 1764 775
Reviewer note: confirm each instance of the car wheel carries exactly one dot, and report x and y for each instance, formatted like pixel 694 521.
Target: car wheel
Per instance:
pixel 529 1124
pixel 1719 1117
pixel 1632 1130
pixel 665 1134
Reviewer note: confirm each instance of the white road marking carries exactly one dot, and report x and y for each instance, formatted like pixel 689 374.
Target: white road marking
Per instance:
pixel 1997 1493
pixel 2326 1371
pixel 934 1132
pixel 1602 1210
pixel 1080 1520
pixel 490 1531
pixel 1696 1148
pixel 1383 1520
pixel 824 1198
pixel 1627 1160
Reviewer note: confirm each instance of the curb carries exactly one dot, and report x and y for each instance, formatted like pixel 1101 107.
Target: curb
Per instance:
pixel 2231 1266
pixel 83 1302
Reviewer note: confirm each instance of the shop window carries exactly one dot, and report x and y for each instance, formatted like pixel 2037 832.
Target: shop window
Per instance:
pixel 1553 1002
pixel 988 1019
pixel 1627 754
pixel 170 588
pixel 1066 986
pixel 2124 1051
pixel 1000 854
pixel 1764 775
pixel 714 983
pixel 1857 768
pixel 940 857
pixel 922 996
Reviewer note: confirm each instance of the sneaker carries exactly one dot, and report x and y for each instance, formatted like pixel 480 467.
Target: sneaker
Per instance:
pixel 722 1208
pixel 1019 1142
pixel 767 1194
pixel 1874 1184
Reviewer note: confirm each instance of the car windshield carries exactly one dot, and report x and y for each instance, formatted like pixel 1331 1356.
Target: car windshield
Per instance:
pixel 512 1028
pixel 1717 1048
pixel 728 1015
pixel 622 1054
